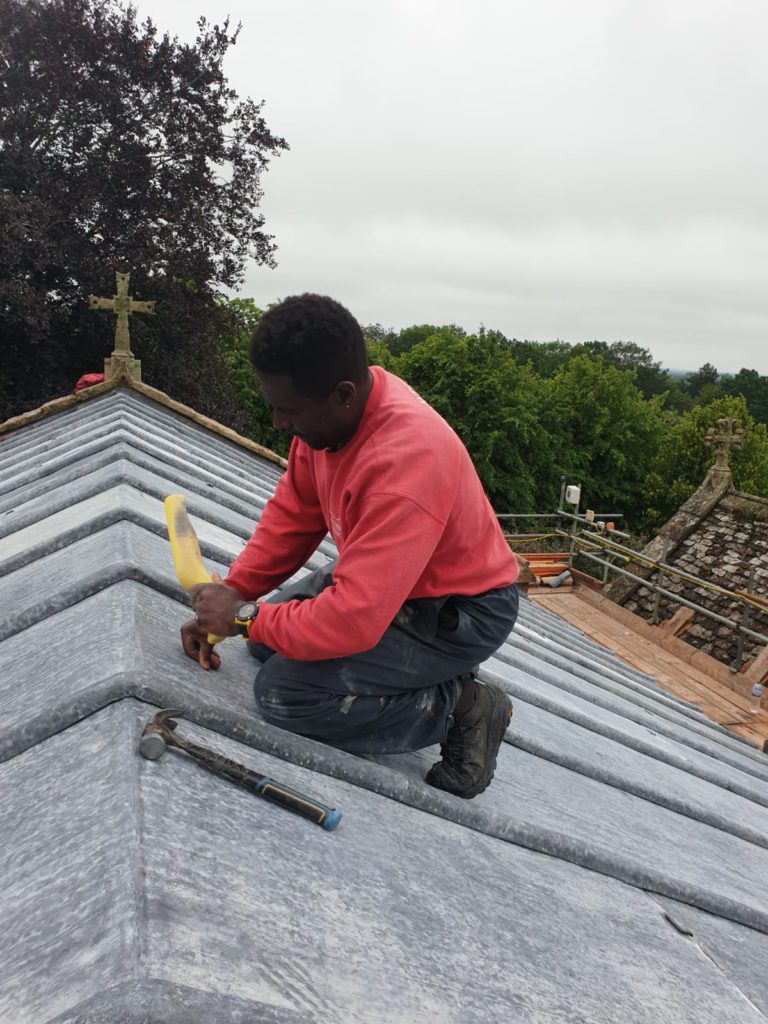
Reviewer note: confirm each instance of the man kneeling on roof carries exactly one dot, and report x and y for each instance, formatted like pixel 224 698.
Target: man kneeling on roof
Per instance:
pixel 377 651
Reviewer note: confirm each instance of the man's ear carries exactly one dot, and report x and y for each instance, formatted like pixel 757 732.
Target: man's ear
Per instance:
pixel 346 390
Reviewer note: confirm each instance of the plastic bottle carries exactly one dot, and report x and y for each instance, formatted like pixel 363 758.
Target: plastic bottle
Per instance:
pixel 755 697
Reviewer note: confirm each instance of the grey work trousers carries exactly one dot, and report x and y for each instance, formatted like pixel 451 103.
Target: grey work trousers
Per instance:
pixel 399 695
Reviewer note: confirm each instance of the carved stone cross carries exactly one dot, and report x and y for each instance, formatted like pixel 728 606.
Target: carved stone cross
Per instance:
pixel 122 304
pixel 722 443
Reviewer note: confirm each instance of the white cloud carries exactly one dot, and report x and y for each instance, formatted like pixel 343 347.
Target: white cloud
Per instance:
pixel 590 169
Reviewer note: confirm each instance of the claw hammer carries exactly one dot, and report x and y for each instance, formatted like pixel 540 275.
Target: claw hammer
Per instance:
pixel 160 733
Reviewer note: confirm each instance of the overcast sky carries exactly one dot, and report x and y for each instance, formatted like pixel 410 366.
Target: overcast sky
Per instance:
pixel 573 169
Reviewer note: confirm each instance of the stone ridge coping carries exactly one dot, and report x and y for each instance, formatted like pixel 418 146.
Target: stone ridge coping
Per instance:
pixel 125 379
pixel 747 510
pixel 748 497
pixel 680 526
pixel 378 779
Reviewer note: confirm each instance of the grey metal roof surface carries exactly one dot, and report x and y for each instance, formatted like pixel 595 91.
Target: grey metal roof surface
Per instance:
pixel 138 890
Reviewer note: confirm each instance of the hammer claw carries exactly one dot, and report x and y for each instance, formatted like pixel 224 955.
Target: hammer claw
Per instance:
pixel 164 718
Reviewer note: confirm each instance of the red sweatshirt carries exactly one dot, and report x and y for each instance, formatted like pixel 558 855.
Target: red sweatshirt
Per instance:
pixel 408 514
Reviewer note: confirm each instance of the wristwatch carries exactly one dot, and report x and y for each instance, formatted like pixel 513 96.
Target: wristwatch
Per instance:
pixel 244 616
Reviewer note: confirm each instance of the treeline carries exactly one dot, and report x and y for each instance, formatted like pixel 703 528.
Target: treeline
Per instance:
pixel 606 415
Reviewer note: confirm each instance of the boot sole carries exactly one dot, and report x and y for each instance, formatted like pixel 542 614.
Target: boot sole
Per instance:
pixel 500 719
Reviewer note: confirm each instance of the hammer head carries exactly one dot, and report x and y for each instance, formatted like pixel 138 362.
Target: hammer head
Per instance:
pixel 158 734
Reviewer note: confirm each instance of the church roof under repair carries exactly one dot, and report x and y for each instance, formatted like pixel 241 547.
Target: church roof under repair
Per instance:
pixel 614 870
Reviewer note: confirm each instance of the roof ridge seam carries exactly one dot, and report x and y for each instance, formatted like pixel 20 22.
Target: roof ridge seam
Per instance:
pixel 714 733
pixel 615 780
pixel 96 524
pixel 32 516
pixel 73 594
pixel 555 658
pixel 627 740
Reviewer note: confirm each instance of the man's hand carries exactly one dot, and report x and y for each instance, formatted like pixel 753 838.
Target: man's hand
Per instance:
pixel 214 605
pixel 194 640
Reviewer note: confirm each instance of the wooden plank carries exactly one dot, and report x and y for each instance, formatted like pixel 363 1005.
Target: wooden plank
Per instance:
pixel 548 593
pixel 679 622
pixel 714 668
pixel 585 580
pixel 632 646
pixel 530 556
pixel 757 669
pixel 748 733
pixel 719 702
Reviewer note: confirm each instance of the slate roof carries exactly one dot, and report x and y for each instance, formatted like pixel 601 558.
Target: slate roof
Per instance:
pixel 727 547
pixel 614 870
pixel 718 536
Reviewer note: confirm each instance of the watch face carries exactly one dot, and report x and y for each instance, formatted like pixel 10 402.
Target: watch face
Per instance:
pixel 247 610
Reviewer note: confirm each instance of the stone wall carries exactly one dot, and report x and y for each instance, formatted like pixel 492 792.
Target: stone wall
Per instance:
pixel 728 543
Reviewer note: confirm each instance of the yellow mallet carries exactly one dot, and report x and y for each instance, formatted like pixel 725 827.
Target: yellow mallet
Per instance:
pixel 185 548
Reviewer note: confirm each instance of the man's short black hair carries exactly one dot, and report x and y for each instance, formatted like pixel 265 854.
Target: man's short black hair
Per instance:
pixel 314 340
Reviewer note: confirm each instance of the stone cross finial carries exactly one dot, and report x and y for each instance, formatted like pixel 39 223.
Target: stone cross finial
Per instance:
pixel 122 304
pixel 727 438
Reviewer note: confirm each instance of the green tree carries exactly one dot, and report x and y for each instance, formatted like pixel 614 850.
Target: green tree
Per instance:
pixel 379 354
pixel 683 458
pixel 491 402
pixel 378 341
pixel 608 432
pixel 121 149
pixel 754 390
pixel 706 377
pixel 409 337
pixel 547 358
pixel 677 399
pixel 650 377
pixel 234 348
pixel 544 358
pixel 377 333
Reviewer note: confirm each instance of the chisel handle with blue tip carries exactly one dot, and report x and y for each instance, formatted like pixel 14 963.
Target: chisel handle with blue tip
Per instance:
pixel 159 734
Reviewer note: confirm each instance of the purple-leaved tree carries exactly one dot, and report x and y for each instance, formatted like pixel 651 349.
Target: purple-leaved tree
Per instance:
pixel 121 148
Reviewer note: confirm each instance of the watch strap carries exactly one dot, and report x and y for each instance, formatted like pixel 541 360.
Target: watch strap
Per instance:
pixel 244 616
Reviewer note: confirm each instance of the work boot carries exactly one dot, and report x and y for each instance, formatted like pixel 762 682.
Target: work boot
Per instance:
pixel 472 744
